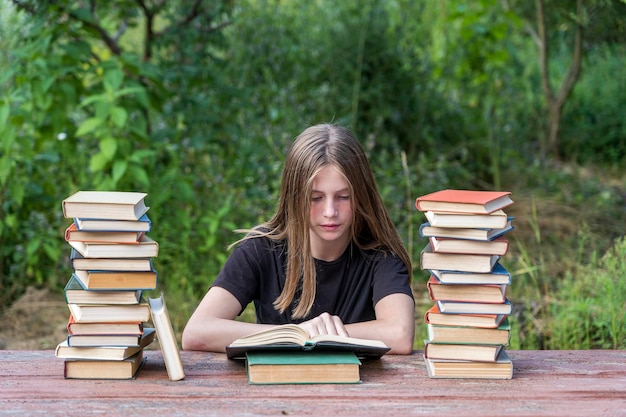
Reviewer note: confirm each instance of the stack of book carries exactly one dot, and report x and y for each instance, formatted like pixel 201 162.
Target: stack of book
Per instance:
pixel 286 354
pixel 111 258
pixel 467 325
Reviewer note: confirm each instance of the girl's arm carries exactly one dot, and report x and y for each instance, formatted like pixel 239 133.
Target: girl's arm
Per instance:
pixel 212 326
pixel 394 324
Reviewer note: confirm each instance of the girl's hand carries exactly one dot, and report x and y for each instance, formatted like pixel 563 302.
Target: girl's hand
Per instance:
pixel 324 324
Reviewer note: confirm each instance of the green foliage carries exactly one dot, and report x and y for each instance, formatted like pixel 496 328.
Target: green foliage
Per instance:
pixel 590 114
pixel 588 312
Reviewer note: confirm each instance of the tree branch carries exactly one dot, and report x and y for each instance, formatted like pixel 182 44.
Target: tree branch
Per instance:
pixel 573 71
pixel 543 51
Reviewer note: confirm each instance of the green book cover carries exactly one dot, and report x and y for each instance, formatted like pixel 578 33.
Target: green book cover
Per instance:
pixel 302 367
pixel 301 358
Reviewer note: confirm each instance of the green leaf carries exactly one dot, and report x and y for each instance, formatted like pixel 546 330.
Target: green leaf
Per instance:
pixel 4 115
pixel 94 98
pixel 128 90
pixel 119 169
pixel 88 126
pixel 113 78
pixel 98 162
pixel 108 147
pixel 119 115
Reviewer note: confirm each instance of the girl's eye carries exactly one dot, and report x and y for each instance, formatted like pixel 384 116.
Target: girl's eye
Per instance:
pixel 316 198
pixel 344 197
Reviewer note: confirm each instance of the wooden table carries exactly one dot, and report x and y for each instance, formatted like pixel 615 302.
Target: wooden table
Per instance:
pixel 545 383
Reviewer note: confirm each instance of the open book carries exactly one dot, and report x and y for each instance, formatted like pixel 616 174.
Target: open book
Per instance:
pixel 292 337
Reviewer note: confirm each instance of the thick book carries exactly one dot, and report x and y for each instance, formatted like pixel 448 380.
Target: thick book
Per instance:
pixel 111 205
pixel 75 293
pixel 107 353
pixel 498 275
pixel 499 246
pixel 79 262
pixel 167 338
pixel 72 234
pixel 103 369
pixel 146 248
pixel 105 328
pixel 291 337
pixel 464 201
pixel 496 220
pixel 456 261
pixel 116 280
pixel 462 307
pixel 502 368
pixel 488 321
pixel 474 293
pixel 481 353
pixel 471 233
pixel 144 224
pixel 470 335
pixel 92 313
pixel 299 367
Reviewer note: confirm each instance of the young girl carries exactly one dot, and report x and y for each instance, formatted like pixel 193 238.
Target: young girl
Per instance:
pixel 330 259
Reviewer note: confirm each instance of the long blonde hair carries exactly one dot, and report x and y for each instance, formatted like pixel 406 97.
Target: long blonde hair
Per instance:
pixel 372 228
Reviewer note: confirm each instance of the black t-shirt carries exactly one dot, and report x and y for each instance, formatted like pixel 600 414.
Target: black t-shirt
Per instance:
pixel 348 287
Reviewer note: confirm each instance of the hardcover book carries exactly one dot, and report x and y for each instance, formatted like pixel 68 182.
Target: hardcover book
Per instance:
pixel 116 280
pixel 498 275
pixel 103 369
pixel 470 335
pixel 489 321
pixel 135 328
pixel 462 307
pixel 167 338
pixel 473 293
pixel 146 248
pixel 112 205
pixel 471 233
pixel 499 246
pixel 71 233
pixel 464 201
pixel 76 294
pixel 79 262
pixel 96 340
pixel 298 367
pixel 288 337
pixel 495 220
pixel 445 368
pixel 109 353
pixel 144 224
pixel 91 313
pixel 456 261
pixel 480 353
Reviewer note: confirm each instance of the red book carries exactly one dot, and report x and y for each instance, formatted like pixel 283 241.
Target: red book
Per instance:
pixel 464 201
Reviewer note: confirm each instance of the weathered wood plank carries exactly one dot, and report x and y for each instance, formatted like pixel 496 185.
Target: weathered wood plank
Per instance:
pixel 545 383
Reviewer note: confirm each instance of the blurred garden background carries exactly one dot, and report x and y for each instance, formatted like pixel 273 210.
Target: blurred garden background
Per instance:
pixel 195 102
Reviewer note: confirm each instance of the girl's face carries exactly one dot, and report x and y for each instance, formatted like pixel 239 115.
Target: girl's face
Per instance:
pixel 330 215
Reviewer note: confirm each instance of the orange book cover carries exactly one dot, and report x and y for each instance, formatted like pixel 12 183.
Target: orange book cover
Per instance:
pixel 464 201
